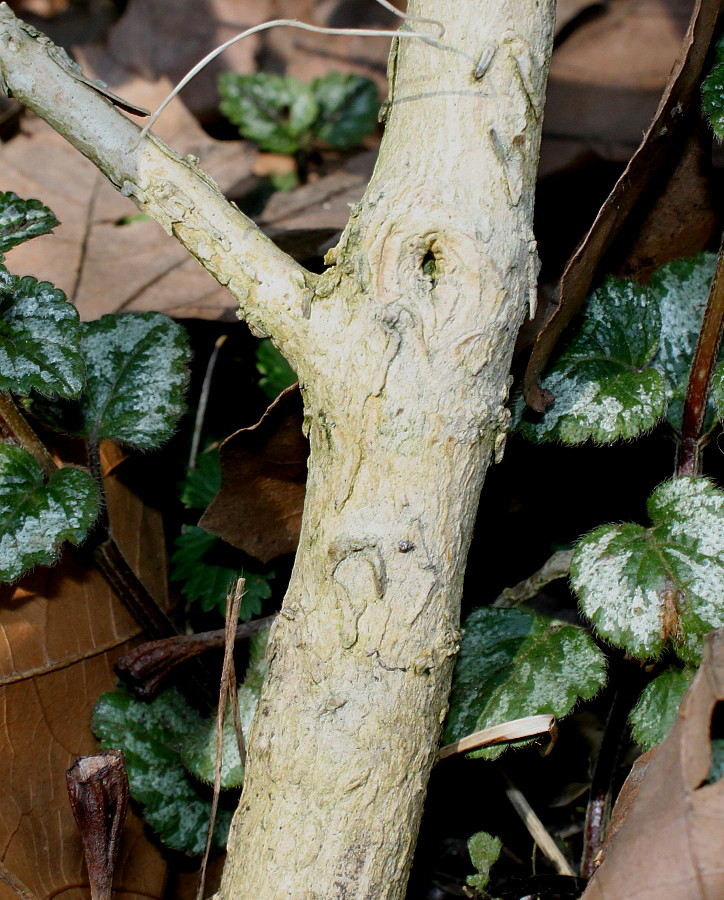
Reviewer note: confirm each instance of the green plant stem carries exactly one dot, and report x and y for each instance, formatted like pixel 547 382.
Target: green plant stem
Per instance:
pixel 15 429
pixel 692 440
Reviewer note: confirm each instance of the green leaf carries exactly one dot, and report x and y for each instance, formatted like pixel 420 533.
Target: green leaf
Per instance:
pixel 712 94
pixel 604 384
pixel 151 736
pixel 137 371
pixel 646 588
pixel 657 706
pixel 35 516
pixel 200 561
pixel 39 339
pixel 21 220
pixel 716 770
pixel 484 850
pixel 170 747
pixel 513 664
pixel 275 111
pixel 276 373
pixel 198 749
pixel 202 484
pixel 680 290
pixel 348 108
pixel 717 390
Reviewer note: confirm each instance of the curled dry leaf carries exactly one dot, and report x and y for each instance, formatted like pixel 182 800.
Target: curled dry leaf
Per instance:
pixel 646 164
pixel 263 473
pixel 671 841
pixel 62 630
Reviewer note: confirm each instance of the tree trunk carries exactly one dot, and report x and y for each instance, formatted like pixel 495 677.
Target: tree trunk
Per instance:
pixel 403 349
pixel 404 403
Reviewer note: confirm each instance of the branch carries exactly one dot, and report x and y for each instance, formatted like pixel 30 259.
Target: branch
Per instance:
pixel 272 289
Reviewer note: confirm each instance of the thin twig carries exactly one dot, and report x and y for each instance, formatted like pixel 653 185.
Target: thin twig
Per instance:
pixel 204 400
pixel 304 26
pixel 557 566
pixel 536 828
pixel 15 884
pixel 15 429
pixel 227 694
pixel 688 461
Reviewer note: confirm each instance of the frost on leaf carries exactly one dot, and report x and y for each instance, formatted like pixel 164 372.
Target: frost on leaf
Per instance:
pixel 39 339
pixel 484 850
pixel 603 382
pixel 513 664
pixel 137 371
pixel 712 94
pixel 647 588
pixel 717 390
pixel 206 566
pixel 170 749
pixel 35 516
pixel 680 290
pixel 21 220
pixel 657 706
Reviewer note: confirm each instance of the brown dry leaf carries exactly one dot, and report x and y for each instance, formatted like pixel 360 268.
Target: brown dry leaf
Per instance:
pixel 671 843
pixel 647 166
pixel 104 266
pixel 307 221
pixel 607 78
pixel 62 629
pixel 263 473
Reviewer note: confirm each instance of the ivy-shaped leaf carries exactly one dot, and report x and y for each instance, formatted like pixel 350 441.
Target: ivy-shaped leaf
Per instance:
pixel 348 108
pixel 603 382
pixel 174 804
pixel 657 706
pixel 21 220
pixel 39 339
pixel 278 112
pixel 137 371
pixel 484 850
pixel 170 747
pixel 37 516
pixel 276 373
pixel 680 290
pixel 712 94
pixel 646 588
pixel 207 566
pixel 513 664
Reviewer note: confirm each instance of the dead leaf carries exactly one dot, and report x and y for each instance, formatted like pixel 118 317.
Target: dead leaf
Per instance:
pixel 62 630
pixel 671 843
pixel 263 473
pixel 307 221
pixel 647 163
pixel 102 264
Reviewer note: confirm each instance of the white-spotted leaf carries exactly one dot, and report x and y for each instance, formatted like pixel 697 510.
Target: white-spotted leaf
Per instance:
pixel 657 706
pixel 712 93
pixel 137 371
pixel 39 339
pixel 37 516
pixel 170 748
pixel 647 588
pixel 513 664
pixel 680 290
pixel 717 390
pixel 348 108
pixel 21 220
pixel 603 382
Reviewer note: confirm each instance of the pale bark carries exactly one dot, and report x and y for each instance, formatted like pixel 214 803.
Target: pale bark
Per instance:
pixel 403 349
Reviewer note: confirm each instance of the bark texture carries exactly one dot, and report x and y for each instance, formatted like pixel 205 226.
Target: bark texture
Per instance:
pixel 403 349
pixel 415 324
